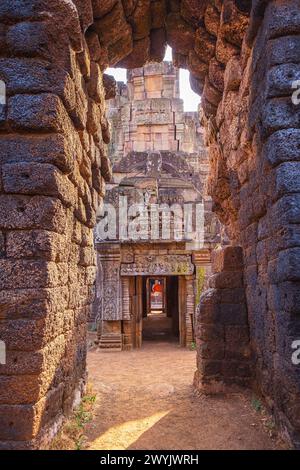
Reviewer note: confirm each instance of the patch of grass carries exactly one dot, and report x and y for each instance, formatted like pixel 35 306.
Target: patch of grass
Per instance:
pixel 71 436
pixel 257 404
pixel 92 327
pixel 266 418
pixel 193 346
pixel 270 426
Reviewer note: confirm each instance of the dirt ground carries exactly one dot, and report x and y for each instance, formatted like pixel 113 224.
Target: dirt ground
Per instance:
pixel 145 400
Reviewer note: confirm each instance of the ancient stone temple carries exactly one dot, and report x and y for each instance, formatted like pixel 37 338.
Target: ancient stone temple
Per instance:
pixel 244 58
pixel 160 169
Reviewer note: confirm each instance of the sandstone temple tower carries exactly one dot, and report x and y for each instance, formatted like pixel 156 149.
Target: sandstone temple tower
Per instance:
pixel 150 274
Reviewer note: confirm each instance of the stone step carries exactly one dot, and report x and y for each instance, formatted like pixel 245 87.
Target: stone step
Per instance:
pixel 110 343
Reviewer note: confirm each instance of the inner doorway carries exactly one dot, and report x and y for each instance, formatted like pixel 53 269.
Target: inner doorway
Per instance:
pixel 160 308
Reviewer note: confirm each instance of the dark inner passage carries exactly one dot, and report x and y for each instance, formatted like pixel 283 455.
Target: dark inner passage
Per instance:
pixel 160 305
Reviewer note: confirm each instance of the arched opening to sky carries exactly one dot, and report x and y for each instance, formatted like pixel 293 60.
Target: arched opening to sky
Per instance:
pixel 191 99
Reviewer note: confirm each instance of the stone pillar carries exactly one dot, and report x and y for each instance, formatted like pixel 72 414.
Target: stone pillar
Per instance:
pixel 189 310
pixel 110 329
pixel 127 320
pixel 222 333
pixel 202 262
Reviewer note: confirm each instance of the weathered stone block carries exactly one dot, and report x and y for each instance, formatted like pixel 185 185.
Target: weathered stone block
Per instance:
pixel 93 43
pixel 31 335
pixel 22 389
pixel 85 12
pixel 225 50
pixel 232 314
pixel 237 335
pixel 211 94
pixel 210 332
pixel 282 18
pixel 140 20
pixel 17 10
pixel 285 297
pixel 180 35
pixel 225 280
pixel 209 367
pixel 281 78
pixel 207 313
pixel 283 50
pixel 93 118
pixel 158 14
pixel 193 11
pixel 287 178
pixel 234 21
pixel 110 86
pixel 3 115
pixel 232 296
pixel 158 44
pixel 35 178
pixel 280 113
pixel 2 244
pixel 211 350
pixel 17 422
pixel 32 303
pixel 205 45
pixel 138 56
pixel 197 87
pixel 283 146
pixel 28 112
pixel 288 265
pixel 113 27
pixel 26 75
pixel 288 237
pixel 28 38
pixel 227 259
pixel 37 244
pixel 210 296
pixel 216 74
pixel 285 211
pixel 50 406
pixel 237 369
pixel 120 49
pixel 102 7
pixel 233 75
pixel 237 345
pixel 26 212
pixel 25 274
pixel 87 256
pixel 212 19
pixel 55 149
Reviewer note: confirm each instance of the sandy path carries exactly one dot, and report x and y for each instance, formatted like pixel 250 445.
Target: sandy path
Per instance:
pixel 145 400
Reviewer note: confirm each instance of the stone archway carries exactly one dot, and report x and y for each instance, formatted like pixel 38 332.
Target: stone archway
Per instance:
pixel 54 164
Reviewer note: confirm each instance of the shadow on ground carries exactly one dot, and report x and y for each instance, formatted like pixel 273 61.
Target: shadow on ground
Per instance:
pixel 146 401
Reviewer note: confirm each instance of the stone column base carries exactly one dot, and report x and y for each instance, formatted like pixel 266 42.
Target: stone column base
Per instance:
pixel 111 338
pixel 111 342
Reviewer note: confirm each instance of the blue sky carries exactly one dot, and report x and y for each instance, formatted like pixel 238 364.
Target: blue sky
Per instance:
pixel 191 100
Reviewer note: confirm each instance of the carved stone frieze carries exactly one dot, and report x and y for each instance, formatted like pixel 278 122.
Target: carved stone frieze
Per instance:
pixel 159 265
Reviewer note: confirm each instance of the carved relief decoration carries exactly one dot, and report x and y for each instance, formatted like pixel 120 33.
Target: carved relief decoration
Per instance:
pixel 159 265
pixel 111 288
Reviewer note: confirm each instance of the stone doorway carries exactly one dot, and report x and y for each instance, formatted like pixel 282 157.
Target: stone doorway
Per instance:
pixel 161 318
pixel 127 273
pixel 54 136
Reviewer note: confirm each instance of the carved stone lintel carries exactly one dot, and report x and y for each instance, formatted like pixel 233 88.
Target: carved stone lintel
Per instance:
pixel 159 265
